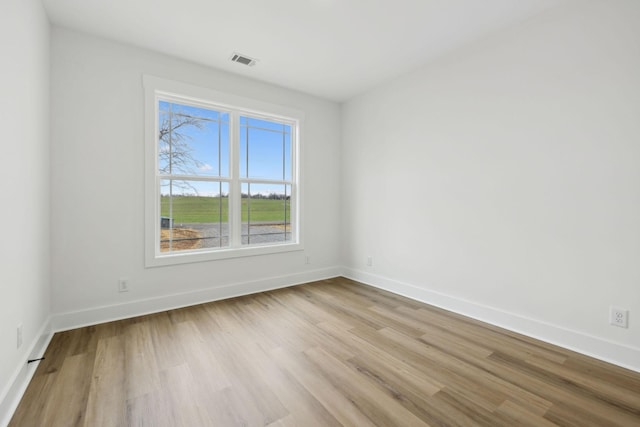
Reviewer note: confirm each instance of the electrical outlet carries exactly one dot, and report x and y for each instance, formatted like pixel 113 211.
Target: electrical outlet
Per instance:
pixel 619 317
pixel 19 335
pixel 369 261
pixel 307 259
pixel 123 284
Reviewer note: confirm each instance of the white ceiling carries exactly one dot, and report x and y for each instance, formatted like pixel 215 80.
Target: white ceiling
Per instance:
pixel 331 48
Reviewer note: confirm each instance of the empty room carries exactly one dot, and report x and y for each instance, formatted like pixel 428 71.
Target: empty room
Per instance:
pixel 320 213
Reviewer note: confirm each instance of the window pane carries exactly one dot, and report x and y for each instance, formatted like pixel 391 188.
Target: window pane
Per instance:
pixel 192 140
pixel 193 215
pixel 164 152
pixel 265 149
pixel 287 158
pixel 266 213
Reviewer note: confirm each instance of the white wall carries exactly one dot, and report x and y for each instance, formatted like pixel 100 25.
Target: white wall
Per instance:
pixel 503 180
pixel 98 184
pixel 24 187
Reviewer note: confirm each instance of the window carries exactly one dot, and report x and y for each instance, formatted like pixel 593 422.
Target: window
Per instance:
pixel 222 175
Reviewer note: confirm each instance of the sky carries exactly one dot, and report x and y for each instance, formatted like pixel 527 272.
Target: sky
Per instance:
pixel 265 150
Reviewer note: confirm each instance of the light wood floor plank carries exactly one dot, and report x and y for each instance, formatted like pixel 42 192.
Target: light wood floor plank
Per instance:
pixel 105 406
pixel 327 353
pixel 358 389
pixel 342 408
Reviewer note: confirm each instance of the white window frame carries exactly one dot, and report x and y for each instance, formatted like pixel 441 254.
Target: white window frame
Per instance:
pixel 156 89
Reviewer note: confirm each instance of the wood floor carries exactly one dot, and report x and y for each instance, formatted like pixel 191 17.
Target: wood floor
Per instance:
pixel 328 353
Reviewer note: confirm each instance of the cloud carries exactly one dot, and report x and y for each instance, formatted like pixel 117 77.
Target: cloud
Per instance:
pixel 205 167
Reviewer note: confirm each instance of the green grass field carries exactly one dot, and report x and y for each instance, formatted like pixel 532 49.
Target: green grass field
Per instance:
pixel 195 209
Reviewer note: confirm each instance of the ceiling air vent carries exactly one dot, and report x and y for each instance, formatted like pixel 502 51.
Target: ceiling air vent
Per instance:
pixel 243 59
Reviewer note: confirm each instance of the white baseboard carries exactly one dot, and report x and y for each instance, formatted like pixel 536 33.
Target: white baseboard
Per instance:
pixel 618 354
pixel 96 315
pixel 12 394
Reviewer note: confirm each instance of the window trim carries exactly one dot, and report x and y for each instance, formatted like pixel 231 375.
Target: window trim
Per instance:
pixel 156 88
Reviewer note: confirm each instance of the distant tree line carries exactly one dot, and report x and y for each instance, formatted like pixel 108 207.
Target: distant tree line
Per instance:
pixel 270 196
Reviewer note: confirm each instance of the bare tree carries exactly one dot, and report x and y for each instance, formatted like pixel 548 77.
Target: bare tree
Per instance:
pixel 175 155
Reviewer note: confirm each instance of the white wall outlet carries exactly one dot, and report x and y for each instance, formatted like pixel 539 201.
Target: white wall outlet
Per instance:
pixel 619 317
pixel 307 259
pixel 369 261
pixel 19 335
pixel 123 284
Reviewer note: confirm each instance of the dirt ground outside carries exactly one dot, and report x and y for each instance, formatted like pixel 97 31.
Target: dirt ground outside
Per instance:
pixel 183 239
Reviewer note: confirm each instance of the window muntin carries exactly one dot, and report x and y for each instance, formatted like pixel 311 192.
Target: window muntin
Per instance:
pixel 237 194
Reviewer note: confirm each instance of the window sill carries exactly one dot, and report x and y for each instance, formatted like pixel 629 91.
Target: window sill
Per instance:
pixel 188 257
